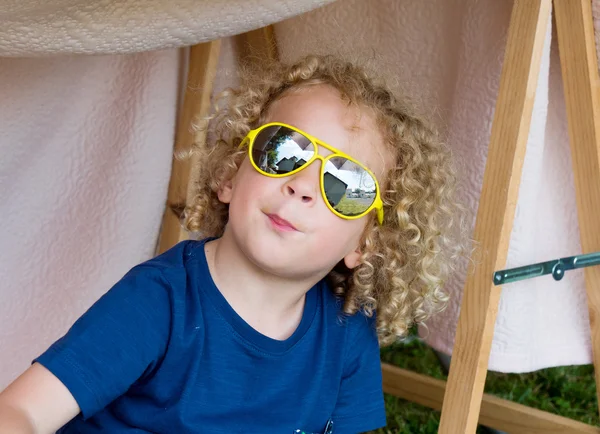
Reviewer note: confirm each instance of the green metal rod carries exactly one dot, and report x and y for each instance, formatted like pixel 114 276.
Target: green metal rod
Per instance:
pixel 556 267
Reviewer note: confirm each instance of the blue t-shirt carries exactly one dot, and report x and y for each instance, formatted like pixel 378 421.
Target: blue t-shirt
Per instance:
pixel 163 352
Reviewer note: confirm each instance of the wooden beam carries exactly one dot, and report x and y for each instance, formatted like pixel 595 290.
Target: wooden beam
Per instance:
pixel 506 152
pixel 202 69
pixel 256 45
pixel 495 412
pixel 579 66
pixel 251 47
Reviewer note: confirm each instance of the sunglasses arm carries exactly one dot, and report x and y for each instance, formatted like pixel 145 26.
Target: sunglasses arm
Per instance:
pixel 248 139
pixel 379 207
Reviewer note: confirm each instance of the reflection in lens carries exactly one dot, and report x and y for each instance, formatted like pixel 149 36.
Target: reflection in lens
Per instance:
pixel 349 188
pixel 280 150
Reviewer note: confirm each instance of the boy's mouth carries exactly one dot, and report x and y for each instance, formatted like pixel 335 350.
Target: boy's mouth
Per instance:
pixel 281 223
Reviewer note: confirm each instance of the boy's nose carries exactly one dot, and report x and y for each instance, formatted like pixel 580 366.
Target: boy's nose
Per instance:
pixel 304 185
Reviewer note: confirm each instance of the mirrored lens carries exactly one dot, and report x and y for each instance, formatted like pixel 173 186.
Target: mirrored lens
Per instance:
pixel 279 150
pixel 349 188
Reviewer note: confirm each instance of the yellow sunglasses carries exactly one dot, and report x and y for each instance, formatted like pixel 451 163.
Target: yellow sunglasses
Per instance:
pixel 349 189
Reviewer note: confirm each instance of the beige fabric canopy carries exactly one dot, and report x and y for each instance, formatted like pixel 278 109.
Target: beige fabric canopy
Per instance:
pixel 38 28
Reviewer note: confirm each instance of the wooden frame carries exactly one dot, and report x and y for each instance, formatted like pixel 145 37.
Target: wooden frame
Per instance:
pixel 495 412
pixel 462 400
pixel 464 404
pixel 506 152
pixel 202 69
pixel 510 130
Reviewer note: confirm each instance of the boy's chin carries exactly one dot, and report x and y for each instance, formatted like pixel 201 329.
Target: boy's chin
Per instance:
pixel 283 263
pixel 283 257
pixel 271 261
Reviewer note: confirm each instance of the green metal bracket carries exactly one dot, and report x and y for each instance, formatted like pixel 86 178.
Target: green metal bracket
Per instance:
pixel 557 268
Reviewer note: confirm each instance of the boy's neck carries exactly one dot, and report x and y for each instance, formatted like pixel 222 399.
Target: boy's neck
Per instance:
pixel 272 305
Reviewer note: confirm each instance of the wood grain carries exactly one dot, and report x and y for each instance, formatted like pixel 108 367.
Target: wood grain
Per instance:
pixel 250 47
pixel 256 45
pixel 495 412
pixel 579 67
pixel 202 68
pixel 506 152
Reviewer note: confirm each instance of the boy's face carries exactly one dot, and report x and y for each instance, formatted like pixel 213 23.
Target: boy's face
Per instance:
pixel 283 224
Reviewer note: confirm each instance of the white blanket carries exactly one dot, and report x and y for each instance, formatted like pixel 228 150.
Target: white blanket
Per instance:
pixel 86 146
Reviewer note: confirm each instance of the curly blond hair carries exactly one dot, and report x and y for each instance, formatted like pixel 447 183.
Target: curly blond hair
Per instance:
pixel 405 262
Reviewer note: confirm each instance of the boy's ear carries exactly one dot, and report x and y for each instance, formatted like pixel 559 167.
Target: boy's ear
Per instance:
pixel 352 259
pixel 225 191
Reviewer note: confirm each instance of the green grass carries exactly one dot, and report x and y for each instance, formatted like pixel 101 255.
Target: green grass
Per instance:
pixel 348 206
pixel 568 391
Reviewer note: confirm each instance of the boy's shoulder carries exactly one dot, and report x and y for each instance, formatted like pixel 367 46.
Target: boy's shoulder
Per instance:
pixel 172 262
pixel 171 268
pixel 358 326
pixel 175 257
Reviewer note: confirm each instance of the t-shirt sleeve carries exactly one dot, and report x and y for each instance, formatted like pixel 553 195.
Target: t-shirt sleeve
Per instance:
pixel 360 406
pixel 121 338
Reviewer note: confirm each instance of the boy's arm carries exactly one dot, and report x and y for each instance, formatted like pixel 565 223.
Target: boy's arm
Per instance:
pixel 120 337
pixel 37 403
